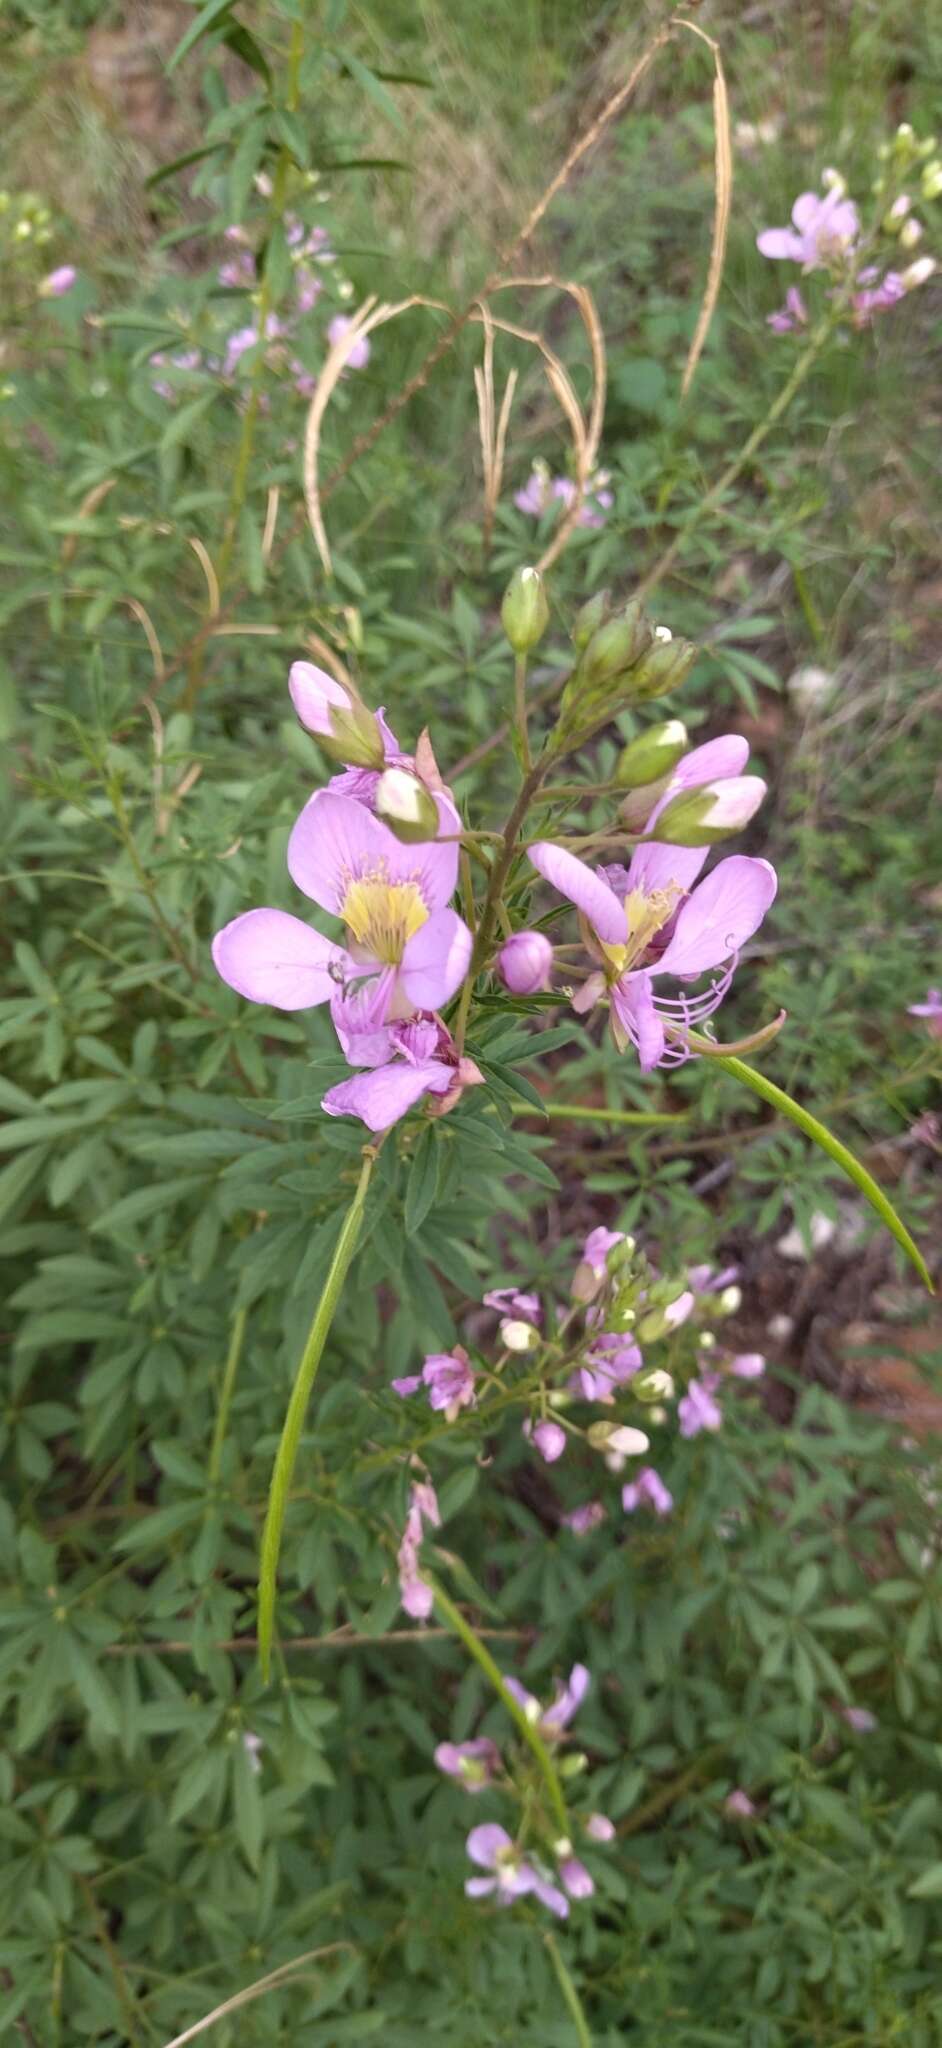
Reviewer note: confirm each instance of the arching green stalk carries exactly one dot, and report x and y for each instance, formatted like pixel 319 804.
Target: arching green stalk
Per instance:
pixel 531 1735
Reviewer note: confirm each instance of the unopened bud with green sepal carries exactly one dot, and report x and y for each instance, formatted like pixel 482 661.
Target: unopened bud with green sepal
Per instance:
pixel 704 816
pixel 589 618
pixel 406 806
pixel 525 611
pixel 652 755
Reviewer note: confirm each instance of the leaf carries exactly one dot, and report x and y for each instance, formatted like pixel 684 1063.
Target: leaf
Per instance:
pixel 144 1202
pixel 247 1800
pixel 180 163
pixel 207 16
pixel 186 418
pixel 820 1135
pixel 422 1186
pixel 373 86
pixel 928 1885
pixel 244 44
pixel 97 1698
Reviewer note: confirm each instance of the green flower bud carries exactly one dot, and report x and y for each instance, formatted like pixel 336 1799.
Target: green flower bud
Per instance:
pixel 652 1326
pixel 588 620
pixel 572 1765
pixel 652 755
pixel 406 806
pixel 702 817
pixel 525 612
pixel 664 668
pixel 619 1437
pixel 635 809
pixel 616 646
pixel 655 1385
pixel 353 736
pixel 620 1319
pixel 620 1255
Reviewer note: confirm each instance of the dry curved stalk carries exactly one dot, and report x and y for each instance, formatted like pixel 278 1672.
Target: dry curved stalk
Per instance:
pixel 212 581
pixel 89 504
pixel 587 445
pixel 145 621
pixel 277 1980
pixel 723 194
pixel 271 521
pixel 493 427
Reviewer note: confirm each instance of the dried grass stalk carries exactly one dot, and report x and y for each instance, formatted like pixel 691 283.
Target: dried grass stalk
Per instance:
pixel 722 202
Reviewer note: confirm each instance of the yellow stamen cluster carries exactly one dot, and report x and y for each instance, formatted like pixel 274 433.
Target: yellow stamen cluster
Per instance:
pixel 383 915
pixel 644 917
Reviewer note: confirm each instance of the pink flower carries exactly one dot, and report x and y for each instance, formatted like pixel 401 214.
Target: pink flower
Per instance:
pixel 542 490
pixel 931 1009
pixel 576 1878
pixel 611 1362
pixel 747 1365
pixel 648 1488
pixel 646 921
pixel 597 1246
pixel 58 282
pixel 449 1379
pixel 567 1700
pixel 512 1877
pixel 822 236
pixel 418 1598
pixel 793 314
pixel 508 1301
pixel 739 1803
pixel 547 1437
pixel 581 1520
pixel 474 1764
pixel 599 1828
pixel 309 289
pixel 360 352
pixel 405 949
pixel 876 298
pixel 697 1409
pixel 525 963
pixel 859 1719
pixel 706 1279
pixel 407 1061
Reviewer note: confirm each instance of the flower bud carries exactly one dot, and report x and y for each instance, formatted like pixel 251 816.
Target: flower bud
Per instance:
pixel 589 618
pixel 573 1765
pixel 525 963
pixel 618 1320
pixel 347 731
pixel 599 1828
pixel 59 281
pixel 616 1436
pixel 910 233
pixel 664 668
pixel 585 1282
pixel 918 273
pixel 701 817
pixel 729 1300
pixel 524 612
pixel 656 1385
pixel 635 809
pixel 616 646
pixel 652 755
pixel 931 181
pixel 620 1255
pixel 518 1336
pixel 406 806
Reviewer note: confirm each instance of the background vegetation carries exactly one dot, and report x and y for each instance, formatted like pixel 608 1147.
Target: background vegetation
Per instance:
pixel 169 1193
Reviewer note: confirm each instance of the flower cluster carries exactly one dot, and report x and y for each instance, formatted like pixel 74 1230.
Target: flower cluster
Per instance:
pixel 542 491
pixel 631 1339
pixel 311 254
pixel 826 234
pixel 549 1871
pixel 26 230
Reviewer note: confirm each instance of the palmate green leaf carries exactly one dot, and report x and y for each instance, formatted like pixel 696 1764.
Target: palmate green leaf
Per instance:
pixel 842 1157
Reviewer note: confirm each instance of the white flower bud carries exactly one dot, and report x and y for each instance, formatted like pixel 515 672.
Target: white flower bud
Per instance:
pixel 911 232
pixel 518 1336
pixel 918 273
pixel 730 1300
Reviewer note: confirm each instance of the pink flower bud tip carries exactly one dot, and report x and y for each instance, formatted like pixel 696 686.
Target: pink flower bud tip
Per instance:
pixel 58 282
pixel 359 354
pixel 525 963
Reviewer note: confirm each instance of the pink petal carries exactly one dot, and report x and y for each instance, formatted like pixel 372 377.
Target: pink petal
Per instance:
pixel 485 1843
pixel 480 1887
pixel 550 1895
pixel 807 210
pixel 313 692
pixel 582 887
pixel 781 243
pixel 657 867
pixel 381 1097
pixel 358 1011
pixel 633 1003
pixel 435 960
pixel 271 957
pixel 337 840
pixel 391 747
pixel 712 762
pixel 720 916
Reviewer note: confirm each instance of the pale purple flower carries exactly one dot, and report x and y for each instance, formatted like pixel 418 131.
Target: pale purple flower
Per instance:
pixel 931 1010
pixel 568 1698
pixel 747 1365
pixel 588 1516
pixel 542 490
pixel 793 314
pixel 859 1719
pixel 512 1876
pixel 252 1745
pixel 509 1301
pixel 597 1246
pixel 409 1385
pixel 449 1379
pixel 359 354
pixel 697 1410
pixel 525 963
pixel 407 1062
pixel 418 1598
pixel 648 921
pixel 576 1878
pixel 822 235
pixel 612 1361
pixel 647 1490
pixel 474 1764
pixel 549 1438
pixel 58 282
pixel 309 288
pixel 599 1828
pixel 876 298
pixel 707 1280
pixel 405 950
pixel 739 1803
pixel 679 1309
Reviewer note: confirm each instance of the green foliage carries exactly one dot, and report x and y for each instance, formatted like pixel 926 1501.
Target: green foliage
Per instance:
pixel 171 1195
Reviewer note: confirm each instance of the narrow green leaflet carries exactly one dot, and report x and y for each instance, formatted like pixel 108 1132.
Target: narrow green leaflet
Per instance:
pixel 820 1135
pixel 212 12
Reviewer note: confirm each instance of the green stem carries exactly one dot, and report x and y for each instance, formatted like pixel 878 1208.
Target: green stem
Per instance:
pixel 297 1408
pixel 500 869
pixel 236 1341
pixel 570 1994
pixel 579 1112
pixel 820 1135
pixel 520 711
pixel 492 1673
